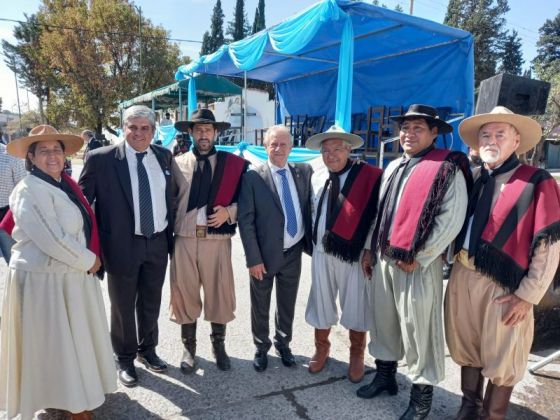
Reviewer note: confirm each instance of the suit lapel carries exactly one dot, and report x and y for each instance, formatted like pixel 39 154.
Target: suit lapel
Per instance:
pixel 266 175
pixel 121 165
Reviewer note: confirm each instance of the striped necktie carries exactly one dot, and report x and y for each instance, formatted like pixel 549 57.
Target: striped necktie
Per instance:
pixel 145 198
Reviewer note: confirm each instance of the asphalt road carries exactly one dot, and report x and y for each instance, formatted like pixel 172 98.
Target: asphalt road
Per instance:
pixel 286 393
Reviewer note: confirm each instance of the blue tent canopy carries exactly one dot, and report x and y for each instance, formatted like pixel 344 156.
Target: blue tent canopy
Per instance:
pixel 339 57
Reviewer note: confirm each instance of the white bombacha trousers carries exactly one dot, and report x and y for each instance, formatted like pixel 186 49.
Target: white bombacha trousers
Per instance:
pixel 331 276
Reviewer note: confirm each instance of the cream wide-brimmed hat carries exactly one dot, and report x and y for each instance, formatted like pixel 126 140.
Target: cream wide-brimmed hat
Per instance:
pixel 19 147
pixel 334 132
pixel 530 131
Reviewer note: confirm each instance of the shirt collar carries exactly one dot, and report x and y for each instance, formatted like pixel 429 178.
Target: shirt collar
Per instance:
pixel 275 168
pixel 130 152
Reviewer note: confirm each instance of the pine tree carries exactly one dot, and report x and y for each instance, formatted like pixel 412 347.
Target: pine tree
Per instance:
pixel 254 30
pixel 259 22
pixel 206 47
pixel 547 68
pixel 548 45
pixel 216 36
pixel 238 28
pixel 485 20
pixel 512 57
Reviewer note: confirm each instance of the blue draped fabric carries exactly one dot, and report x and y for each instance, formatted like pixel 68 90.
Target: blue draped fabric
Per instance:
pixel 340 57
pixel 290 37
pixel 298 154
pixel 192 102
pixel 166 134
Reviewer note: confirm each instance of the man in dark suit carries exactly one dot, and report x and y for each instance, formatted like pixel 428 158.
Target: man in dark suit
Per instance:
pixel 132 189
pixel 274 214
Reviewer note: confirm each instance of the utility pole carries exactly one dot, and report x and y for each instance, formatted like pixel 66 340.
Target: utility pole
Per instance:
pixel 411 7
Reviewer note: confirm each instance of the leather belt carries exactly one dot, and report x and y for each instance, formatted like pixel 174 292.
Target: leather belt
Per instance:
pixel 201 231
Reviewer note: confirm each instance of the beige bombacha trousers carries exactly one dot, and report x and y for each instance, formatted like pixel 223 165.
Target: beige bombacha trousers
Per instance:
pixel 206 263
pixel 476 335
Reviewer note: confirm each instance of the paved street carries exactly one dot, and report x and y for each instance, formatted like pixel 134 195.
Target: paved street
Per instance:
pixel 281 392
pixel 285 393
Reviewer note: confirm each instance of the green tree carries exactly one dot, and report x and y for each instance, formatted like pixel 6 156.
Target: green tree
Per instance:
pixel 512 56
pixel 259 22
pixel 215 38
pixel 239 27
pixel 96 52
pixel 399 8
pixel 547 67
pixel 25 58
pixel 485 20
pixel 548 45
pixel 205 49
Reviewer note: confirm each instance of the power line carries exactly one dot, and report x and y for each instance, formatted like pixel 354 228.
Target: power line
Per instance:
pixel 49 26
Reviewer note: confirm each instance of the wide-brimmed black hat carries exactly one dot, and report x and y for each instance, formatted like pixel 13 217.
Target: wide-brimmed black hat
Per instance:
pixel 427 112
pixel 201 116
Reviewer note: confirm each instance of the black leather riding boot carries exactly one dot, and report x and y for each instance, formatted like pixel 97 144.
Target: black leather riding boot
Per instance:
pixel 188 336
pixel 219 348
pixel 420 402
pixel 384 380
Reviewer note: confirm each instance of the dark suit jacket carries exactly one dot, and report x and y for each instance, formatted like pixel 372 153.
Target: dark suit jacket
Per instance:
pixel 261 218
pixel 105 181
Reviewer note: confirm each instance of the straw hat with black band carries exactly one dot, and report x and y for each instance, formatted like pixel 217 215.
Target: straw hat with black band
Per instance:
pixel 19 147
pixel 429 113
pixel 334 132
pixel 202 116
pixel 530 131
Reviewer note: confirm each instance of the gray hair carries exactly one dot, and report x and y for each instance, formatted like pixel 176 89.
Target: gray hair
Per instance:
pixel 88 133
pixel 279 128
pixel 139 111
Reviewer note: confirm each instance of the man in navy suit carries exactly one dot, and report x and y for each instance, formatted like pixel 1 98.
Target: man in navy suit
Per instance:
pixel 274 214
pixel 131 186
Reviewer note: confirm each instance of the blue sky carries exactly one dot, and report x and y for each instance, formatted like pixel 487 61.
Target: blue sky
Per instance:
pixel 188 19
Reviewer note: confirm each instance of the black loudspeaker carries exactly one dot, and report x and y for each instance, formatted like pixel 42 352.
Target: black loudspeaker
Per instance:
pixel 522 95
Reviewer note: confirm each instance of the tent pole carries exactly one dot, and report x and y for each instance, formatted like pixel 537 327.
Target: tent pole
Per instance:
pixel 244 107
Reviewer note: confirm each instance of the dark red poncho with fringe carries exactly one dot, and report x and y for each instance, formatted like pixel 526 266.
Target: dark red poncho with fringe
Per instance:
pixel 421 201
pixel 526 214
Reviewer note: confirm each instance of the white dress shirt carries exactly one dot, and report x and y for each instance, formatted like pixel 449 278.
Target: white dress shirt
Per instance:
pixel 157 188
pixel 288 240
pixel 321 213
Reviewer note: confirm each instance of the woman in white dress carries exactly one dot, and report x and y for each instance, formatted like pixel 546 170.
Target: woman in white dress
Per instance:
pixel 55 350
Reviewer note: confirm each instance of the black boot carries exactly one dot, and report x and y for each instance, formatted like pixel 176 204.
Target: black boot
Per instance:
pixel 420 402
pixel 384 380
pixel 188 336
pixel 217 337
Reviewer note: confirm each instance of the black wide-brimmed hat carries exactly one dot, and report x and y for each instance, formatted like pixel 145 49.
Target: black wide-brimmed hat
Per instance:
pixel 201 116
pixel 427 112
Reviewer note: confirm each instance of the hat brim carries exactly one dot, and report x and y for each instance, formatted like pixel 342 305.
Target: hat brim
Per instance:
pixel 443 127
pixel 19 147
pixel 314 142
pixel 185 125
pixel 530 131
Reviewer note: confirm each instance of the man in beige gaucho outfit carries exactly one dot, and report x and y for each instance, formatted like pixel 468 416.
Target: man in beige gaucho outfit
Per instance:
pixel 206 221
pixel 507 256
